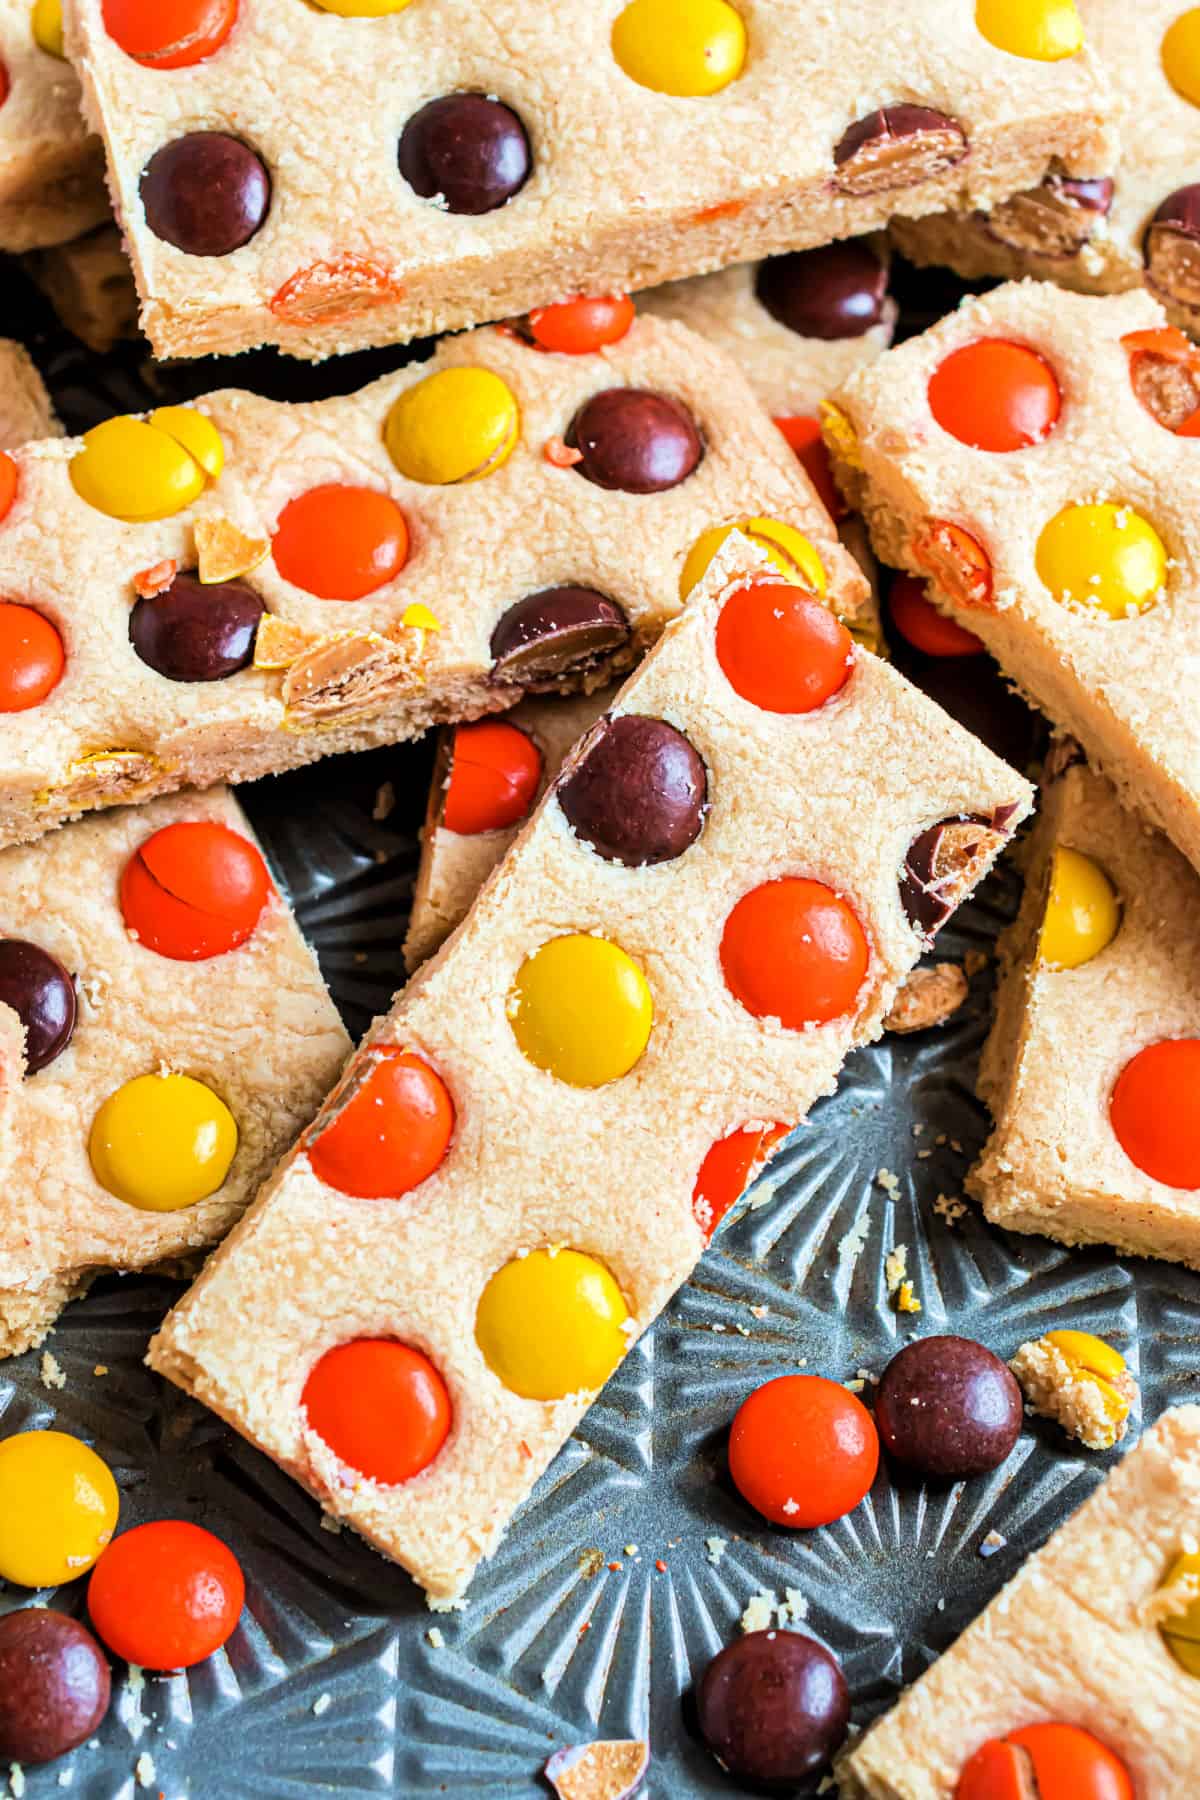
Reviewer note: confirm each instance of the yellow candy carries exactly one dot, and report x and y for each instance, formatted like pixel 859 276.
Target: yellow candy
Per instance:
pixel 840 434
pixel 457 425
pixel 362 9
pixel 1181 55
pixel 1082 913
pixel 162 1142
pixel 580 1008
pixel 549 1324
pixel 1043 30
pixel 139 469
pixel 47 26
pixel 790 551
pixel 1105 557
pixel 1086 1352
pixel 683 47
pixel 58 1508
pixel 1181 1631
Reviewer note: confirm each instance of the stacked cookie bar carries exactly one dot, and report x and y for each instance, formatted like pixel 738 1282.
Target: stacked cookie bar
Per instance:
pixel 51 167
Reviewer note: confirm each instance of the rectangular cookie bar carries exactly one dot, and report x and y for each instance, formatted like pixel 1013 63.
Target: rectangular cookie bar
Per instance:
pixel 1139 224
pixel 51 167
pixel 115 969
pixel 486 557
pixel 562 1046
pixel 25 409
pixel 1064 535
pixel 1075 1640
pixel 1059 1161
pixel 492 156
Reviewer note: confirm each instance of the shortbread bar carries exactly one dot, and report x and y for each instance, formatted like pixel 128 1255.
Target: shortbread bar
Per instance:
pixel 25 409
pixel 156 999
pixel 244 586
pixel 1030 453
pixel 51 167
pixel 1068 1157
pixel 89 284
pixel 1080 1638
pixel 732 874
pixel 464 188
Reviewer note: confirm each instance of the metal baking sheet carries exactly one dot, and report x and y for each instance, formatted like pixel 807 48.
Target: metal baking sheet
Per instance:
pixel 331 1682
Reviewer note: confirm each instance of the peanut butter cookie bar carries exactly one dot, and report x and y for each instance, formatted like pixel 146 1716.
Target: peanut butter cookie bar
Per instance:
pixel 51 168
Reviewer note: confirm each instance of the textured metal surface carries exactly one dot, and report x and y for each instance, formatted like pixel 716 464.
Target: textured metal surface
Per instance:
pixel 331 1683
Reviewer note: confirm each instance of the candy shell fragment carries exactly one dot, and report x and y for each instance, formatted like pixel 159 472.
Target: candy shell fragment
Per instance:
pixel 610 1769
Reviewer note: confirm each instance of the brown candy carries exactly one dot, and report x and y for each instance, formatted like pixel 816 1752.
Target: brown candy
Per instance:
pixel 897 147
pixel 835 291
pixel 1053 220
pixel 944 862
pixel 54 1685
pixel 948 1408
pixel 557 631
pixel 773 1707
pixel 638 793
pixel 1172 247
pixel 634 441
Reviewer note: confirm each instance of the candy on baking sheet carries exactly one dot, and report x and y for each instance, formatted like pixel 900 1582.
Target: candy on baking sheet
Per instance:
pixel 58 1508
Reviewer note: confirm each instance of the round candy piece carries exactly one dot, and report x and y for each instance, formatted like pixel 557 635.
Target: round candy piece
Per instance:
pixel 949 1408
pixel 918 621
pixel 1170 246
pixel 782 650
pixel 8 468
pixel 1082 911
pixel 48 26
pixel 556 630
pixel 995 395
pixel 1181 1630
pixel 1181 54
pixel 207 193
pixel 494 774
pixel 681 47
pixel 381 1407
pixel 803 434
pixel 197 632
pixel 1064 1761
pixel 58 1508
pixel 795 951
pixel 790 551
pixel 469 151
pixel 169 34
pixel 1154 1113
pixel 1053 220
pixel 773 1708
pixel 393 1131
pixel 1042 30
pixel 835 291
pixel 166 1595
pixel 728 1169
pixel 943 863
pixel 54 1685
pixel 456 425
pixel 143 469
pixel 42 994
pixel 581 1009
pixel 32 658
pixel 161 1142
pixel 1107 558
pixel 803 1451
pixel 194 890
pixel 638 794
pixel 340 542
pixel 580 326
pixel 579 1311
pixel 634 441
pixel 896 147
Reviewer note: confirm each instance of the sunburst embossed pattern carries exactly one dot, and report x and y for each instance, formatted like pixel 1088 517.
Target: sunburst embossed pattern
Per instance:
pixel 634 1559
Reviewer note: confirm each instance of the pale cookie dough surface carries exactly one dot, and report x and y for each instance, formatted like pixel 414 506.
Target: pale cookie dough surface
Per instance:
pixel 1067 1640
pixel 255 1024
pixel 454 865
pixel 1062 1036
pixel 476 549
pixel 837 795
pixel 629 187
pixel 51 169
pixel 25 409
pixel 1124 687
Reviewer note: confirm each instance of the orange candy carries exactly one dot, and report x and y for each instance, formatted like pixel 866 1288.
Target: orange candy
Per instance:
pixel 1068 1764
pixel 194 890
pixel 1165 344
pixel 804 437
pixel 335 291
pixel 993 395
pixel 166 1595
pixel 803 1451
pixel 381 1406
pixel 576 327
pixel 8 468
pixel 169 34
pixel 1155 1111
pixel 495 769
pixel 916 618
pixel 340 542
pixel 781 649
pixel 795 951
pixel 31 657
pixel 728 1170
pixel 391 1134
pixel 956 561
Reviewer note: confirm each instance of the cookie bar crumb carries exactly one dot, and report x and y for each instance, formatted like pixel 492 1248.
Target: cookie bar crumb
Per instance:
pixel 435 1638
pixel 385 802
pixel 993 1542
pixel 929 997
pixel 947 1207
pixel 890 1183
pixel 1090 1406
pixel 144 1771
pixel 53 1373
pixel 716 1548
pixel 895 1267
pixel 321 1705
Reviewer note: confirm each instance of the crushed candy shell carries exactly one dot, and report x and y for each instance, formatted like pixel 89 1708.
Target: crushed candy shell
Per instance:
pixel 610 1769
pixel 224 551
pixel 156 579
